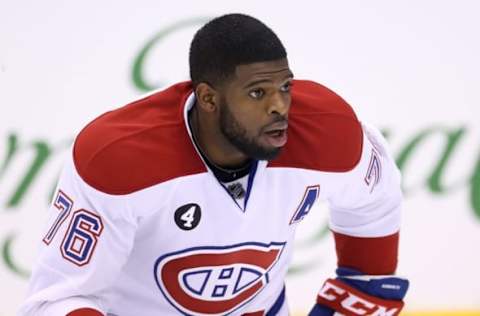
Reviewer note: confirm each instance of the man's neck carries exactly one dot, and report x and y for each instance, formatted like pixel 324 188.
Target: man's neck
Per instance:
pixel 213 145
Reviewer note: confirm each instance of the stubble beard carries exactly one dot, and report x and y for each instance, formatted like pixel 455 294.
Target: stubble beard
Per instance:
pixel 236 134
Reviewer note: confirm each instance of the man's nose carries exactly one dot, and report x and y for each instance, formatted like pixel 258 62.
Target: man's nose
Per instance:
pixel 280 104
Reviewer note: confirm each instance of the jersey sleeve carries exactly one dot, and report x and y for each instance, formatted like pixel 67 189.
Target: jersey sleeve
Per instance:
pixel 366 209
pixel 88 238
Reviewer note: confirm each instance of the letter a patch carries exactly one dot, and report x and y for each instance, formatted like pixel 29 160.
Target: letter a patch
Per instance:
pixel 374 171
pixel 309 198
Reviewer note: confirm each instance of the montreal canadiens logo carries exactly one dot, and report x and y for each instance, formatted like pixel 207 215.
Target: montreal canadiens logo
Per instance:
pixel 215 280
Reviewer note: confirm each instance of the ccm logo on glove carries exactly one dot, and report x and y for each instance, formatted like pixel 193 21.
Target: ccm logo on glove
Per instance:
pixel 349 301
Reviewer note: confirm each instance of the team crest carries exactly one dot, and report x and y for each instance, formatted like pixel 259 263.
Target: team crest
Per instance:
pixel 215 280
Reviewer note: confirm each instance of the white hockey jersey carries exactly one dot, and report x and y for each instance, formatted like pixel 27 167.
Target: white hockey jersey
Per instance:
pixel 140 226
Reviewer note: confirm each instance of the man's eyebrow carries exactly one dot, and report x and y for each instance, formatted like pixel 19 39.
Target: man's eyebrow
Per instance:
pixel 255 82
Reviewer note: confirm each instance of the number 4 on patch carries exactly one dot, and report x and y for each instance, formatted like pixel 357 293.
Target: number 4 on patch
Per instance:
pixel 187 217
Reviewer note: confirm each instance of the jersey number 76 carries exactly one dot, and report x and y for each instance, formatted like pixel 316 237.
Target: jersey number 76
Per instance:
pixel 81 237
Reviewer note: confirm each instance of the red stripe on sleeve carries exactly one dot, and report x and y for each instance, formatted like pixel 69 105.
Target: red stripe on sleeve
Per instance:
pixel 85 312
pixel 369 255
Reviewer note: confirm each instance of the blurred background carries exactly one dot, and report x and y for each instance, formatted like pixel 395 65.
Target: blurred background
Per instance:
pixel 409 67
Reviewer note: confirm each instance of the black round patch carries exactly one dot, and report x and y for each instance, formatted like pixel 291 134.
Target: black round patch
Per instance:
pixel 188 216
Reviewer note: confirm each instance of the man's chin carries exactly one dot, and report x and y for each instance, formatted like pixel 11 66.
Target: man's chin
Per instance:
pixel 256 150
pixel 268 154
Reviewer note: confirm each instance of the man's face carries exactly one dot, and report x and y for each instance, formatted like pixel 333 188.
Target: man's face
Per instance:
pixel 254 108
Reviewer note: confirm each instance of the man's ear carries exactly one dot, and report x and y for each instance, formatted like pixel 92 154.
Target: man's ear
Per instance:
pixel 207 97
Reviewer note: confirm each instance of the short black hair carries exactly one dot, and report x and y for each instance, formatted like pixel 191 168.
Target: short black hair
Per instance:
pixel 228 41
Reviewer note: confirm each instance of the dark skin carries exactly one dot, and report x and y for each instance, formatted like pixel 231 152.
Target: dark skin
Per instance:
pixel 256 99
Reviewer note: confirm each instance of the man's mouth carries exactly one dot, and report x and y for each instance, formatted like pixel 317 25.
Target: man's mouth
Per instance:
pixel 277 134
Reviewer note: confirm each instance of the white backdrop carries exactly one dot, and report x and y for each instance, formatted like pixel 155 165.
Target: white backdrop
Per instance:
pixel 410 67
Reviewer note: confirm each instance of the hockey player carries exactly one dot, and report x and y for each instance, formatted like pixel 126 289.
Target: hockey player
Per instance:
pixel 186 201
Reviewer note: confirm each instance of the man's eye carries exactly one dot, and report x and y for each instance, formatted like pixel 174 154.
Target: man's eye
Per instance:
pixel 286 87
pixel 256 94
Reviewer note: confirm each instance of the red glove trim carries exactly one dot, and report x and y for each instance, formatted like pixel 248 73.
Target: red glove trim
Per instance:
pixel 349 301
pixel 374 256
pixel 85 312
